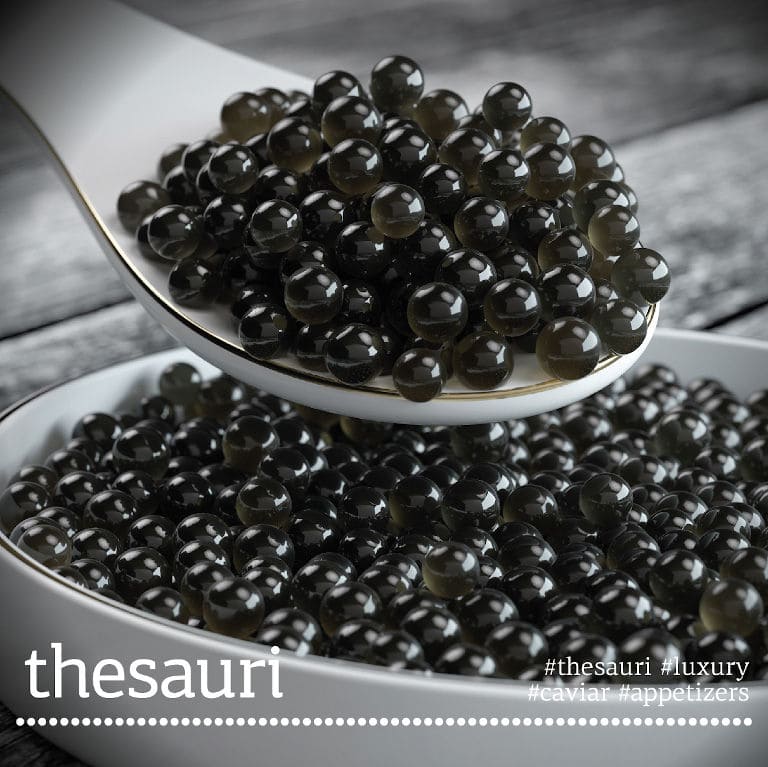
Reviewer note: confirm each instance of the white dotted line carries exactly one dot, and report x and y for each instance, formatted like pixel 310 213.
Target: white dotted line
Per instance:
pixel 351 721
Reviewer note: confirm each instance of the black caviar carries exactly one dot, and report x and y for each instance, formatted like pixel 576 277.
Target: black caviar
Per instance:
pixel 631 524
pixel 406 214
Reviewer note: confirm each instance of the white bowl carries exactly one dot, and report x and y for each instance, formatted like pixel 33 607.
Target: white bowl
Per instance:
pixel 41 608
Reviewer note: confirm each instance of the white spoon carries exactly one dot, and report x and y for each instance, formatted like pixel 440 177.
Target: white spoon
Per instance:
pixel 107 89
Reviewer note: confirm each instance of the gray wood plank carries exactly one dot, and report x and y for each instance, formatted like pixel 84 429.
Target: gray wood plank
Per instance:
pixel 701 189
pixel 79 345
pixel 615 67
pixel 52 266
pixel 23 747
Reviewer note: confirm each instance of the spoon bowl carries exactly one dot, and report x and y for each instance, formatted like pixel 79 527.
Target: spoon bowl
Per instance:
pixel 111 89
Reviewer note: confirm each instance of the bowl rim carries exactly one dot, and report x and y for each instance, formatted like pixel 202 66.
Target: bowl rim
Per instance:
pixel 314 664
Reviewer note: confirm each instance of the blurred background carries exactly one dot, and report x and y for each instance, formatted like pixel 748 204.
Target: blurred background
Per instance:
pixel 680 88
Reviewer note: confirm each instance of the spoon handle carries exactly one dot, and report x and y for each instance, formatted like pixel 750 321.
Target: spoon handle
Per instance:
pixel 109 88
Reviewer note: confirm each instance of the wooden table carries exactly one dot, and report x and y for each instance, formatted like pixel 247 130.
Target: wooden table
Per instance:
pixel 681 88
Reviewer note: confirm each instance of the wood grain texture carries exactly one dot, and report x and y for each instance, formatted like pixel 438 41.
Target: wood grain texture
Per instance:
pixel 23 747
pixel 52 265
pixel 82 344
pixel 615 67
pixel 701 206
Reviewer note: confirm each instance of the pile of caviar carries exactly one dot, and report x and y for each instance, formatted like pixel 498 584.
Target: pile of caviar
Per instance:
pixel 393 232
pixel 627 526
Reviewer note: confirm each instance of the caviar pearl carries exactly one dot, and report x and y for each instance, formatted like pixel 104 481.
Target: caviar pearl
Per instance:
pixel 531 221
pixel 294 144
pixel 512 307
pixel 470 271
pixel 507 106
pixel 397 210
pixel 383 188
pixel 552 171
pixel 466 660
pixel 354 354
pixel 139 569
pixel 21 500
pixel 437 312
pixel 233 606
pixel 397 82
pixel 731 605
pixel 545 130
pixel 444 188
pixel 481 223
pixel 350 117
pixel 174 232
pixel 599 194
pixel 355 166
pixel 46 543
pixel 264 501
pixel 503 174
pixel 436 627
pixel 275 226
pixel 245 114
pixel 482 611
pixel 143 449
pixel 313 295
pixel 593 158
pixel 439 112
pixel 348 601
pixel 678 579
pixel 605 500
pixel 516 646
pixel 139 200
pixel 418 374
pixel 406 151
pixel 533 505
pixel 450 570
pixel 470 503
pixel 621 325
pixel 482 360
pixel 247 441
pixel 465 150
pixel 164 602
pixel 568 348
pixel 266 331
pixel 641 274
pixel 613 230
pixel 565 246
pixel 232 169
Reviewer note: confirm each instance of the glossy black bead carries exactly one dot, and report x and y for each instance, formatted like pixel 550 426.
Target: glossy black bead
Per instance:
pixel 324 214
pixel 443 189
pixel 353 354
pixel 530 222
pixel 516 646
pixel 481 223
pixel 137 570
pixel 362 251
